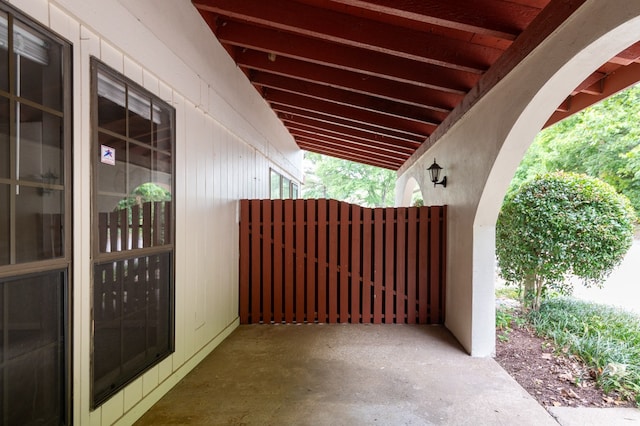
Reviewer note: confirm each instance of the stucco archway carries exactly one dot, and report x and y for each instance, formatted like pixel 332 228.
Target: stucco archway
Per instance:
pixel 411 192
pixel 502 124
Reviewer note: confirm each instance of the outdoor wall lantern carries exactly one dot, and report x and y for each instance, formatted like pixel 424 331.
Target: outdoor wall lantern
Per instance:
pixel 434 171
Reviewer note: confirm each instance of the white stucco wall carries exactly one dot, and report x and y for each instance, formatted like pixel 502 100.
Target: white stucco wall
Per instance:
pixel 227 140
pixel 482 150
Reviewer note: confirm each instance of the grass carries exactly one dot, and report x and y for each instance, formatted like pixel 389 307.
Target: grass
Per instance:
pixel 605 338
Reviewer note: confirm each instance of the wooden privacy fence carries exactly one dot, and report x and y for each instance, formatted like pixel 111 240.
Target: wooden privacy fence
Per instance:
pixel 327 261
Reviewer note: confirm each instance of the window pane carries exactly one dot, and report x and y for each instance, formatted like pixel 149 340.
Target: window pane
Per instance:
pixel 139 165
pixel 163 127
pixel 39 224
pixel 286 188
pixel 4 224
pixel 139 116
pixel 32 349
pixel 294 190
pixel 132 319
pixel 111 177
pixel 111 105
pixel 4 53
pixel 275 185
pixel 39 73
pixel 5 149
pixel 162 171
pixel 40 146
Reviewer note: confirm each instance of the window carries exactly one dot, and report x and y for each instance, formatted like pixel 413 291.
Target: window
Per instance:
pixel 35 222
pixel 133 224
pixel 282 187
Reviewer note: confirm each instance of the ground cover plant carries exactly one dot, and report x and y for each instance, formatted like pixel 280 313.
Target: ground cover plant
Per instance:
pixel 606 339
pixel 570 353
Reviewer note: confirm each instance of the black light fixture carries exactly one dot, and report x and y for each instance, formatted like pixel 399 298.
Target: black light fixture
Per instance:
pixel 434 171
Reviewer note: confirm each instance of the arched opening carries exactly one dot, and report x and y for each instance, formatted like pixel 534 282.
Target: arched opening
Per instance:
pixel 412 194
pixel 605 40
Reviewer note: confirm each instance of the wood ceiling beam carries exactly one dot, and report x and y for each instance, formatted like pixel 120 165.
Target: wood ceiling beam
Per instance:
pixel 345 57
pixel 547 21
pixel 346 97
pixel 331 151
pixel 341 28
pixel 329 109
pixel 615 82
pixel 347 80
pixel 353 143
pixel 390 109
pixel 587 85
pixel 482 19
pixel 287 112
pixel 394 145
pixel 347 147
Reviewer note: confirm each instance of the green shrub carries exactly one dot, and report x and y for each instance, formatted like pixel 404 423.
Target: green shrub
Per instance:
pixel 560 224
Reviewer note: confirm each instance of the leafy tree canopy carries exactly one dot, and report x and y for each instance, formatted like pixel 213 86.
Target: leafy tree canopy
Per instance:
pixel 328 177
pixel 602 141
pixel 559 224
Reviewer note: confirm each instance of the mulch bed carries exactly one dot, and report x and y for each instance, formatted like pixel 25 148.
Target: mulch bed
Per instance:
pixel 558 380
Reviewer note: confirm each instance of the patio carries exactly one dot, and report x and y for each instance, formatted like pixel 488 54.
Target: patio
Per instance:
pixel 346 375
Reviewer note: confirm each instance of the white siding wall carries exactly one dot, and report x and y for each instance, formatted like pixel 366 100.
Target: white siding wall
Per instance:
pixel 227 139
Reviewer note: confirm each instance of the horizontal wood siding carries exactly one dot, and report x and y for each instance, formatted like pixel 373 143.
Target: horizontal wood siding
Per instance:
pixel 327 261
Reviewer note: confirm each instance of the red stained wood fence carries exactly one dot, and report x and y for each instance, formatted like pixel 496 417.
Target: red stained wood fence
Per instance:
pixel 327 261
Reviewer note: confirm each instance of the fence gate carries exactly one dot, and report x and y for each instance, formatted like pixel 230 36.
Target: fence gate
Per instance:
pixel 327 261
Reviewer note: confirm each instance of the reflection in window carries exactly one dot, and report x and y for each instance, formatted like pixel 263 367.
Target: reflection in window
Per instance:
pixel 35 197
pixel 32 323
pixel 133 187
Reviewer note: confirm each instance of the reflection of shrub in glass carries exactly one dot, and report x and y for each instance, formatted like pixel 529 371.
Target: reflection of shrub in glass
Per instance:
pixel 146 192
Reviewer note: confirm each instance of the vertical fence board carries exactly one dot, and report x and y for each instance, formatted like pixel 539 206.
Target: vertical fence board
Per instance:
pixel 389 265
pixel 146 225
pixel 434 259
pixel 367 281
pixel 443 263
pixel 322 262
pixel 278 261
pixel 135 226
pixel 310 219
pixel 156 206
pixel 245 260
pixel 256 276
pixel 300 254
pixel 325 261
pixel 400 265
pixel 356 223
pixel 289 282
pixel 267 290
pixel 344 261
pixel 423 269
pixel 168 236
pixel 412 263
pixel 378 263
pixel 333 260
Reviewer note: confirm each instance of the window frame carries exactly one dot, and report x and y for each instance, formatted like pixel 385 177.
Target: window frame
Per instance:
pixel 98 257
pixel 60 264
pixel 292 187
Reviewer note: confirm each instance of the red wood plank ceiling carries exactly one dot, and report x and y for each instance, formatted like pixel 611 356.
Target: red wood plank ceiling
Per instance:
pixel 369 81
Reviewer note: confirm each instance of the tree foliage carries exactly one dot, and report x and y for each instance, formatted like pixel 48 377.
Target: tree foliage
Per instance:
pixel 329 177
pixel 559 224
pixel 602 141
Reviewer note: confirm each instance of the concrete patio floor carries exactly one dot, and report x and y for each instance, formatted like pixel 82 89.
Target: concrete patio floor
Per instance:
pixel 345 375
